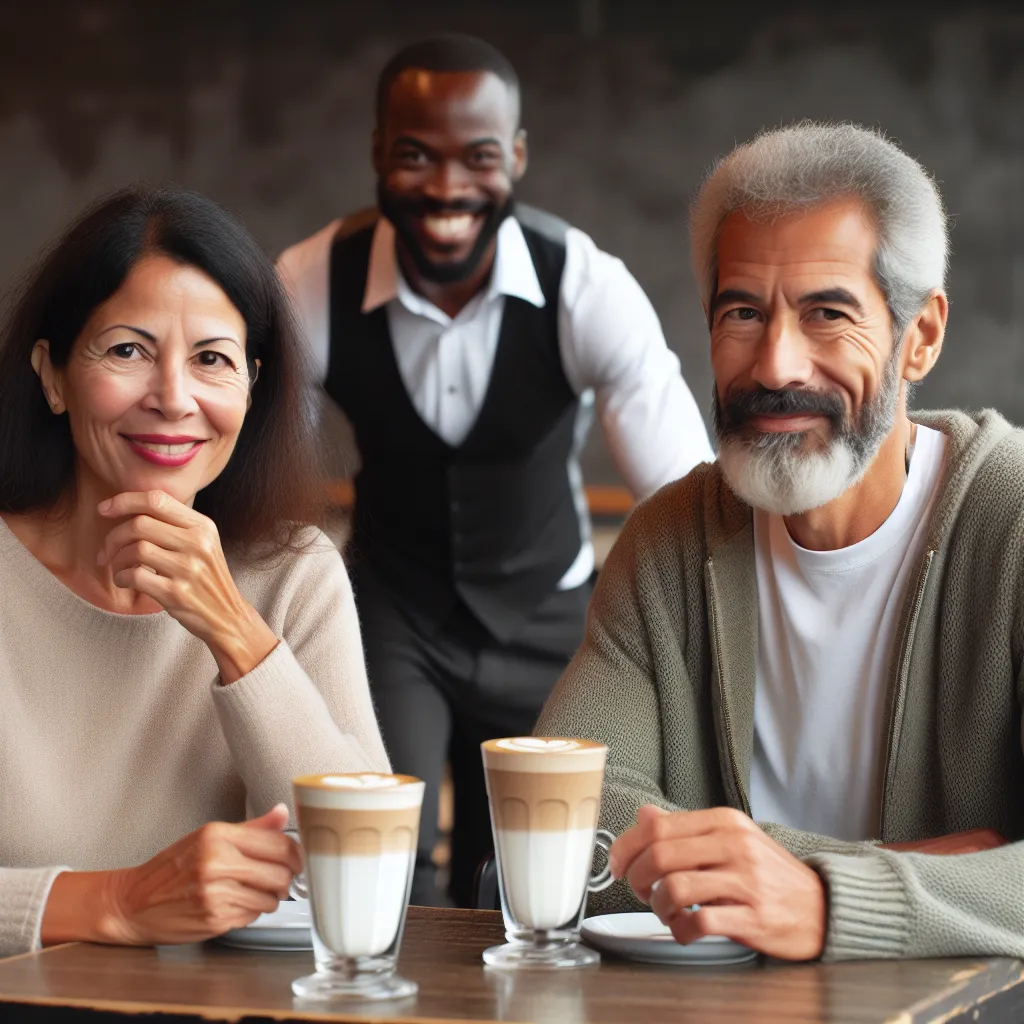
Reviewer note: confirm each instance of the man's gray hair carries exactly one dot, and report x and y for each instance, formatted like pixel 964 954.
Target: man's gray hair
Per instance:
pixel 788 169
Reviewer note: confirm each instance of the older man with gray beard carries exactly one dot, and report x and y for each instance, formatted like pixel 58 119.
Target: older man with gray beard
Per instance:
pixel 806 659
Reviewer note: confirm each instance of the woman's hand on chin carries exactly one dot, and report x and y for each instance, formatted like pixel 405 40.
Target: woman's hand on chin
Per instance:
pixel 171 553
pixel 219 877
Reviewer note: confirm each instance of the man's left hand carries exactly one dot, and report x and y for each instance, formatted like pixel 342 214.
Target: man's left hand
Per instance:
pixel 748 888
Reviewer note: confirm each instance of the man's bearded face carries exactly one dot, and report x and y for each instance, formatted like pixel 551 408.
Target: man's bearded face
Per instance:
pixel 793 472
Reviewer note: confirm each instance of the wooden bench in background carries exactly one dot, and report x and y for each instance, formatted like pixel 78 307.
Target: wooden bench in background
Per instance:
pixel 606 502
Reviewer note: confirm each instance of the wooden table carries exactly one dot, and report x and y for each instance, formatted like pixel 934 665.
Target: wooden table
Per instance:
pixel 442 949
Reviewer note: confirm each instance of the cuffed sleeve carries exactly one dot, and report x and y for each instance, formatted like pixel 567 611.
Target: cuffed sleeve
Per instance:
pixel 889 904
pixel 868 909
pixel 23 896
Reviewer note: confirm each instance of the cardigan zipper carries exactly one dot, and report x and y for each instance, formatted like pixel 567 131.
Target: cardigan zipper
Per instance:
pixel 726 721
pixel 900 697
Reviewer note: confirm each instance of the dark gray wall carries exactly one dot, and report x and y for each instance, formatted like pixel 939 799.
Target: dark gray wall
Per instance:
pixel 267 107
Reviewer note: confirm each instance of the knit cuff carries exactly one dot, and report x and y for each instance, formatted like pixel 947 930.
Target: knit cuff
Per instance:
pixel 23 896
pixel 268 689
pixel 868 909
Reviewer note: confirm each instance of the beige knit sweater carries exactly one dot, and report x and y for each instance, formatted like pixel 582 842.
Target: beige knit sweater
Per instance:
pixel 116 738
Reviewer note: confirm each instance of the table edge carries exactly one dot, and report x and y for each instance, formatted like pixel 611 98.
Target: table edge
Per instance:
pixel 4 960
pixel 338 1015
pixel 949 1004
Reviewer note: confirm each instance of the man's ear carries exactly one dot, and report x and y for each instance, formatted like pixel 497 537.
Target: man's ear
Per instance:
pixel 923 339
pixel 520 155
pixel 48 376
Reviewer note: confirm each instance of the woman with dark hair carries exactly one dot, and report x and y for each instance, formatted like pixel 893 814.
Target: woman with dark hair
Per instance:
pixel 177 640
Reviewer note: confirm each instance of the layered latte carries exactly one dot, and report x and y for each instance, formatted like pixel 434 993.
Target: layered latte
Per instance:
pixel 545 797
pixel 359 837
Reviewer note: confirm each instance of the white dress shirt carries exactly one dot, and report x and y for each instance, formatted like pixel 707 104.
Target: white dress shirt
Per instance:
pixel 610 341
pixel 827 625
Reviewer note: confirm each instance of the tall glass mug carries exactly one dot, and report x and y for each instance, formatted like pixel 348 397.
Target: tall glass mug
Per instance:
pixel 545 795
pixel 359 843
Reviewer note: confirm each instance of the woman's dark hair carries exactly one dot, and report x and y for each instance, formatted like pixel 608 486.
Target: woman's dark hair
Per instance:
pixel 272 484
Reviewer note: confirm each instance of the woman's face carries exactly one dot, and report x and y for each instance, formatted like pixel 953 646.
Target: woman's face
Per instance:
pixel 156 386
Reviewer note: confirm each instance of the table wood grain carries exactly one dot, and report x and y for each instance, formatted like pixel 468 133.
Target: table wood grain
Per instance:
pixel 442 951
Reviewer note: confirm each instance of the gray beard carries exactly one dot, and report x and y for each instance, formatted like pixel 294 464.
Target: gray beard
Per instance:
pixel 772 473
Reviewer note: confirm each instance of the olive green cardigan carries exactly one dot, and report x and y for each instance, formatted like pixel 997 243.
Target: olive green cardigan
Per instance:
pixel 666 677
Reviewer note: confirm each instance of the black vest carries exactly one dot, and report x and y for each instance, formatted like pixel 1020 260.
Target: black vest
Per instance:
pixel 492 521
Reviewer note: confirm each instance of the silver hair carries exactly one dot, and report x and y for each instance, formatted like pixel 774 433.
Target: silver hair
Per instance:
pixel 801 165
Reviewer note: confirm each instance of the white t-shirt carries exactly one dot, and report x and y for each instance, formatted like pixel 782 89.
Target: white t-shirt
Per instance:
pixel 827 623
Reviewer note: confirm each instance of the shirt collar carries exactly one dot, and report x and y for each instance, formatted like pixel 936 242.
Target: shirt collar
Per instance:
pixel 514 273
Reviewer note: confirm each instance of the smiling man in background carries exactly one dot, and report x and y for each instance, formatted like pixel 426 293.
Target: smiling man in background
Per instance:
pixel 822 633
pixel 468 338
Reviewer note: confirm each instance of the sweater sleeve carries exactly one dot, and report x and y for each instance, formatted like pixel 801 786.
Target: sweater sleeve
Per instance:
pixel 23 895
pixel 306 708
pixel 914 905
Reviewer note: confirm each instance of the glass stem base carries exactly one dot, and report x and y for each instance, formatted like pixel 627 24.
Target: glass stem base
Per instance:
pixel 541 956
pixel 328 985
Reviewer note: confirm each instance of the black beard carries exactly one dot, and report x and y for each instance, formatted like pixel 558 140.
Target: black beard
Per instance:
pixel 402 212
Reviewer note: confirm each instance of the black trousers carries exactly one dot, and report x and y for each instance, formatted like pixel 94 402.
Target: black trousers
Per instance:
pixel 440 690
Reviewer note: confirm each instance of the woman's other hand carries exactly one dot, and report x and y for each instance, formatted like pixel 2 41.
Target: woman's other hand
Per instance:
pixel 173 554
pixel 220 876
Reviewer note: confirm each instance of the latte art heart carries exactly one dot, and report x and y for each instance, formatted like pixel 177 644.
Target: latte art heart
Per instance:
pixel 361 781
pixel 536 745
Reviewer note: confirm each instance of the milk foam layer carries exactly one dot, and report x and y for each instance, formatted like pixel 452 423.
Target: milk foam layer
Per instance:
pixel 545 874
pixel 357 901
pixel 544 754
pixel 360 781
pixel 362 791
pixel 538 745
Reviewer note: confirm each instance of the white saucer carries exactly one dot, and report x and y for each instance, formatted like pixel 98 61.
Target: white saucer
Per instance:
pixel 287 928
pixel 643 937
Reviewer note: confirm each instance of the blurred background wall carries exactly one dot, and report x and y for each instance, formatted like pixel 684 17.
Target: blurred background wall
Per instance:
pixel 266 106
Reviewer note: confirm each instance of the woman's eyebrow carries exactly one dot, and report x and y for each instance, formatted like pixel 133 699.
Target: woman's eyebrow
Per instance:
pixel 149 337
pixel 128 327
pixel 210 341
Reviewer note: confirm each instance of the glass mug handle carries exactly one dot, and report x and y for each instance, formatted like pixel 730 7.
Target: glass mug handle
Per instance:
pixel 603 840
pixel 297 887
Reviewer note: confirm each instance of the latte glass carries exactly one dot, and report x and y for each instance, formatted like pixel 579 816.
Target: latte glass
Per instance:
pixel 358 837
pixel 545 796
